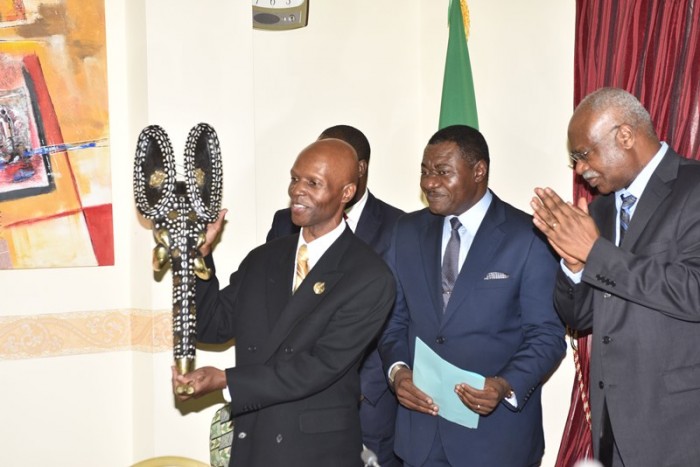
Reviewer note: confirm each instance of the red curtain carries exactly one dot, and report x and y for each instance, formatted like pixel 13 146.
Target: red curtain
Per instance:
pixel 650 48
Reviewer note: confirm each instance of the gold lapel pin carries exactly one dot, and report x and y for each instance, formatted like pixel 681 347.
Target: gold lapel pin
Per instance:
pixel 319 288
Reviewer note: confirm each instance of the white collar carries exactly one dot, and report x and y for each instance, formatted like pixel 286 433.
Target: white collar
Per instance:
pixel 319 246
pixel 354 212
pixel 640 182
pixel 472 217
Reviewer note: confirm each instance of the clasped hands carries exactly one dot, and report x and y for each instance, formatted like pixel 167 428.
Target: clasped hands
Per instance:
pixel 569 228
pixel 480 401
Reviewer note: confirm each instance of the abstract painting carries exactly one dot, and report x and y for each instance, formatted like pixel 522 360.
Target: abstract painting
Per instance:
pixel 55 180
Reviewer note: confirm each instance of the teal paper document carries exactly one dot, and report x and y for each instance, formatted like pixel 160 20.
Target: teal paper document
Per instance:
pixel 438 378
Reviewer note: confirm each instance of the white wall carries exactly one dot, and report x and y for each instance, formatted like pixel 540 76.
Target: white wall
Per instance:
pixel 376 65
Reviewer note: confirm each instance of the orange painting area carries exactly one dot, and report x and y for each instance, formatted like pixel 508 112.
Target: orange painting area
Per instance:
pixel 12 10
pixel 55 180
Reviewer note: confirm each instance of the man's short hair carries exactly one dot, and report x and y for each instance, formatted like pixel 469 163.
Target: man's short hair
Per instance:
pixel 470 141
pixel 624 104
pixel 352 136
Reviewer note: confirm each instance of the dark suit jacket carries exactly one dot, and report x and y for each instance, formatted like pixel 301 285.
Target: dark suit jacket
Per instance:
pixel 295 385
pixel 642 301
pixel 503 326
pixel 375 227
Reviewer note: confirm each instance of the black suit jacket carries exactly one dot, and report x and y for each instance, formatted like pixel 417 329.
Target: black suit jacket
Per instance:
pixel 642 300
pixel 295 385
pixel 375 228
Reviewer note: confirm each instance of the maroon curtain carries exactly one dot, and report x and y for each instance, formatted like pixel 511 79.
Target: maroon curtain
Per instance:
pixel 650 48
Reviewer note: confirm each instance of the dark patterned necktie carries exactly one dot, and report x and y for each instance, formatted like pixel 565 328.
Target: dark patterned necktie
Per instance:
pixel 221 437
pixel 625 214
pixel 450 262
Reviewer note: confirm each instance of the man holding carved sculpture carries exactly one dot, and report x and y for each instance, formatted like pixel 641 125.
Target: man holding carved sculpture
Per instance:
pixel 302 309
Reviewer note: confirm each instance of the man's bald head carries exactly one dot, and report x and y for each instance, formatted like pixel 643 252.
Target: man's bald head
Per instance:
pixel 360 144
pixel 337 153
pixel 323 181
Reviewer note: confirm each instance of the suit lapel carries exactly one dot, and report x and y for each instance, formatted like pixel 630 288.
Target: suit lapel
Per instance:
pixel 328 271
pixel 430 252
pixel 279 282
pixel 607 219
pixel 657 189
pixel 483 248
pixel 370 222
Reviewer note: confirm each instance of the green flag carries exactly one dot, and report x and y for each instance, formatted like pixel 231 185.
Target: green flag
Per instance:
pixel 458 104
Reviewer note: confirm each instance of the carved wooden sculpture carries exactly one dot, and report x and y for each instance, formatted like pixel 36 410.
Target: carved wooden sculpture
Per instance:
pixel 180 211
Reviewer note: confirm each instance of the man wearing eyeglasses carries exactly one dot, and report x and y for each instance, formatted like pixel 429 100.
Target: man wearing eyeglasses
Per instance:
pixel 630 271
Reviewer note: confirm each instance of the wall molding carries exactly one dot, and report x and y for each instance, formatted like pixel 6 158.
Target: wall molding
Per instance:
pixel 52 335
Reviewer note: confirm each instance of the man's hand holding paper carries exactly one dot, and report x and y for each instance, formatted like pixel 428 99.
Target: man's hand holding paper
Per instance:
pixel 410 396
pixel 441 379
pixel 483 401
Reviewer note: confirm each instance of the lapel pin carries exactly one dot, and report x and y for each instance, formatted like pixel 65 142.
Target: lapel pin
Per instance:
pixel 319 288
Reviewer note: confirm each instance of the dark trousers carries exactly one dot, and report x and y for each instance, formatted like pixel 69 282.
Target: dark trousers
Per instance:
pixel 608 454
pixel 437 456
pixel 378 424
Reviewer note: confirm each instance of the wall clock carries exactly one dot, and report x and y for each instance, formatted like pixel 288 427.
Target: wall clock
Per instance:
pixel 278 15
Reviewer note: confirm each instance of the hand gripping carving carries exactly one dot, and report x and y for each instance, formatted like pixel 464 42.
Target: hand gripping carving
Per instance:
pixel 180 211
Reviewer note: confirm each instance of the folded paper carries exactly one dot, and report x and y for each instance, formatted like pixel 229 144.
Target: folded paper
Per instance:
pixel 437 378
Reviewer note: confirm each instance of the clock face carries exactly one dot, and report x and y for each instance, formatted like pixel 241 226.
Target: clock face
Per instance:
pixel 278 15
pixel 277 3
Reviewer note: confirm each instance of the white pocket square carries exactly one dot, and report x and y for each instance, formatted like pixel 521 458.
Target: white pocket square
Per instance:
pixel 496 275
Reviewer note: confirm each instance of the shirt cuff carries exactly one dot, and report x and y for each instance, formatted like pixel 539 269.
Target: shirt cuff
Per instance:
pixel 388 373
pixel 512 400
pixel 574 276
pixel 227 394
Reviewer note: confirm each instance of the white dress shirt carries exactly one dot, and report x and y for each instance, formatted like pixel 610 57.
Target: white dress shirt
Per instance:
pixel 470 220
pixel 353 213
pixel 319 246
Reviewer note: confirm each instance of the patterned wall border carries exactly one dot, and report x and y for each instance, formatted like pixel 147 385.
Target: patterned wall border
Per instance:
pixel 84 333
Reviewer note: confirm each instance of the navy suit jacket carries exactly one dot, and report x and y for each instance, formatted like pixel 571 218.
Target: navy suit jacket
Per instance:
pixel 295 385
pixel 500 324
pixel 375 228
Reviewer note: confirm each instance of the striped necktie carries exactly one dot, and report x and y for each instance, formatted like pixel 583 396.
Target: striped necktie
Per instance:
pixel 302 266
pixel 628 201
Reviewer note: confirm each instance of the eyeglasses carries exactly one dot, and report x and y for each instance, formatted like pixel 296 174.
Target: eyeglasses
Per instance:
pixel 576 156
